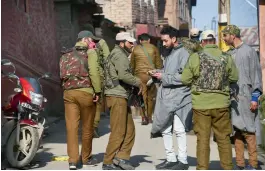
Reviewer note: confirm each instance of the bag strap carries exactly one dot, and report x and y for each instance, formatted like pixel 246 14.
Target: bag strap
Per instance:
pixel 146 54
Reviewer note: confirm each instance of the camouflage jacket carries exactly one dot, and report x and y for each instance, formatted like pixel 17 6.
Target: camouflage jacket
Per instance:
pixel 93 71
pixel 74 69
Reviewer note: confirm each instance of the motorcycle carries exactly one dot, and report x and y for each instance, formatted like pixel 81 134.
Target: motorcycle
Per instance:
pixel 22 132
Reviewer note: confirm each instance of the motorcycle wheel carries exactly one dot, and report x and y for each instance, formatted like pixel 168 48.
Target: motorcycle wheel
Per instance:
pixel 21 155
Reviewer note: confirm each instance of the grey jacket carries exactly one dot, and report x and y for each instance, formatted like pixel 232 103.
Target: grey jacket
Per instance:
pixel 250 79
pixel 172 95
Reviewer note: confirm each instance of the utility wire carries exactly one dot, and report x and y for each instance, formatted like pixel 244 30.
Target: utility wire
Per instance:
pixel 251 4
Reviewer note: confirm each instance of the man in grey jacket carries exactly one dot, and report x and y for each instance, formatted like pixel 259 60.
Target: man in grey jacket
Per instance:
pixel 173 104
pixel 248 88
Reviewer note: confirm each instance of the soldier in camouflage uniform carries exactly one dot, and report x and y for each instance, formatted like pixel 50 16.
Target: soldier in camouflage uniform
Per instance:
pixel 209 73
pixel 192 44
pixel 82 88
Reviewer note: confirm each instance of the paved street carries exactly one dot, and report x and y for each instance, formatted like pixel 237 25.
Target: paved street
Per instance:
pixel 145 154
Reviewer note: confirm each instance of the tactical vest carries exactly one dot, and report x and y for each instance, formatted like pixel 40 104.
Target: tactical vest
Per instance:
pixel 74 69
pixel 213 76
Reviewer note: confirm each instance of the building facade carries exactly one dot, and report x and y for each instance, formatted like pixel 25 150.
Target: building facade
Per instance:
pixel 140 16
pixel 177 13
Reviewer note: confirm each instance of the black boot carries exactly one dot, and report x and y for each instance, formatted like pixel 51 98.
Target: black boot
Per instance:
pixel 144 121
pixel 92 161
pixel 96 133
pixel 110 167
pixel 239 168
pixel 180 166
pixel 165 165
pixel 124 164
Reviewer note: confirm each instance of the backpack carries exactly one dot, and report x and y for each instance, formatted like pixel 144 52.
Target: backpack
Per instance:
pixel 213 76
pixel 108 67
pixel 74 69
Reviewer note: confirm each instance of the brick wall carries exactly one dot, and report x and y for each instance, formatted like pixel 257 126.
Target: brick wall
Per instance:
pixel 119 11
pixel 143 17
pixel 155 11
pixel 136 11
pixel 29 41
pixel 169 9
pixel 131 12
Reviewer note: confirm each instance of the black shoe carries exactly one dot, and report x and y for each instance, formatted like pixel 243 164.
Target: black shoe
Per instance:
pixel 249 167
pixel 110 167
pixel 72 166
pixel 238 168
pixel 165 165
pixel 91 161
pixel 150 120
pixel 144 121
pixel 96 133
pixel 124 164
pixel 180 166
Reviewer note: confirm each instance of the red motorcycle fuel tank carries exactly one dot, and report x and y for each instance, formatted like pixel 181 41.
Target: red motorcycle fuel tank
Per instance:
pixel 27 85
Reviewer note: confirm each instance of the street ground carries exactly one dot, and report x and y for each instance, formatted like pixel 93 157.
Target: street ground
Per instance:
pixel 146 152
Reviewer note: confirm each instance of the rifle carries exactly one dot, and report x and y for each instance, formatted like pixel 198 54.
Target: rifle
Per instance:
pixel 234 94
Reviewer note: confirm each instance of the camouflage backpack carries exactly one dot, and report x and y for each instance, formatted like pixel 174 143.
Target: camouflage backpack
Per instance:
pixel 74 69
pixel 213 76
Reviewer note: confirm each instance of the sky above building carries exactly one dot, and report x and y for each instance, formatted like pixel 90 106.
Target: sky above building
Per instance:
pixel 243 13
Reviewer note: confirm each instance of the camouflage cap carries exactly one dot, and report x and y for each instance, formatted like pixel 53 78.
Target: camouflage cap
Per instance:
pixel 231 29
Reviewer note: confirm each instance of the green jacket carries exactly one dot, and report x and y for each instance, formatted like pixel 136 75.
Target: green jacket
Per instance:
pixel 122 71
pixel 103 52
pixel 208 100
pixel 94 73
